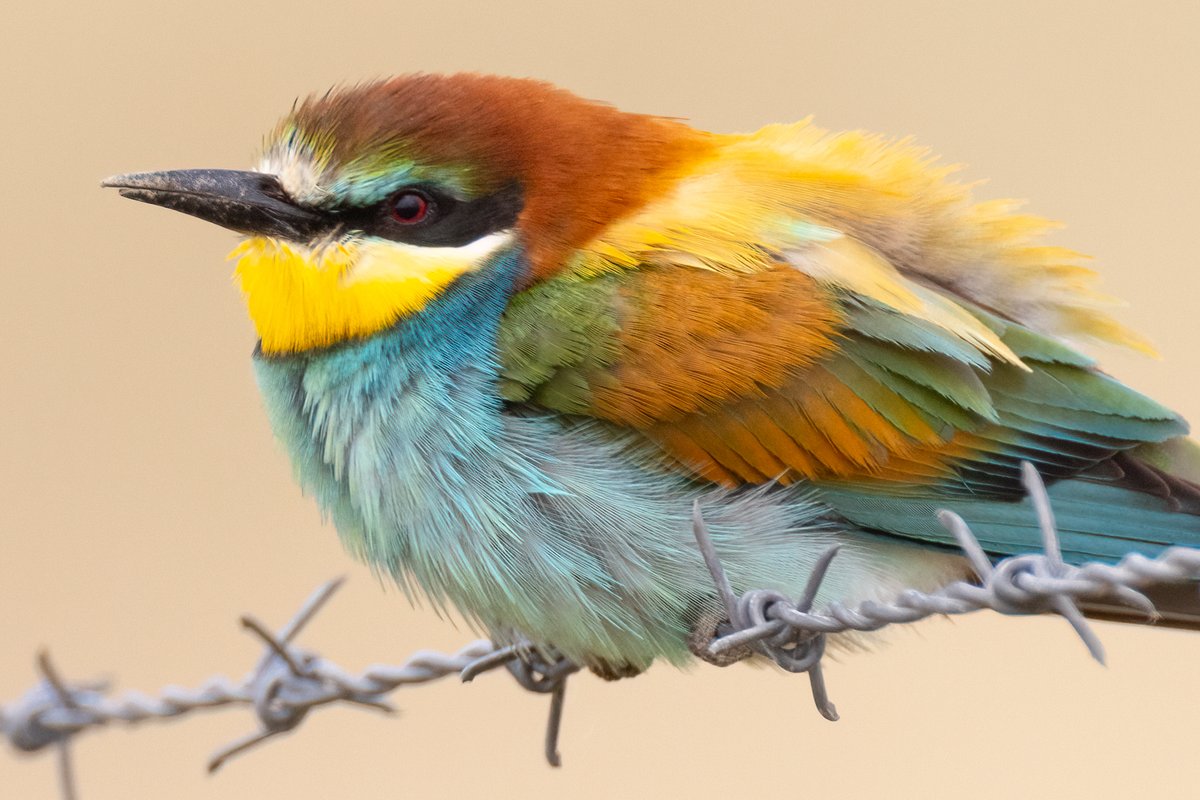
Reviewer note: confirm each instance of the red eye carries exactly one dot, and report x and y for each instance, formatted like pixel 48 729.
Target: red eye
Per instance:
pixel 409 208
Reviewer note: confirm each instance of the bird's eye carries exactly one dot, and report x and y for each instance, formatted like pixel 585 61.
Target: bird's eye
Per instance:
pixel 410 207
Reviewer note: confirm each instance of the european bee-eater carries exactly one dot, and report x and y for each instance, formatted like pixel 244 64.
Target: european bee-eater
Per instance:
pixel 509 336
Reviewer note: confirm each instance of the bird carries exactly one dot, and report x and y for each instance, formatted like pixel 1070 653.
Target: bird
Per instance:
pixel 510 337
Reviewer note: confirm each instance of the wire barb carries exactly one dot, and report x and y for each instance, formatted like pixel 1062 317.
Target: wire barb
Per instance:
pixel 793 636
pixel 285 684
pixel 288 682
pixel 66 772
pixel 535 673
pixel 545 676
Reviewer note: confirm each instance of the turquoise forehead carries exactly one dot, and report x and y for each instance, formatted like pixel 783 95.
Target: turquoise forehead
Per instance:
pixel 372 178
pixel 367 177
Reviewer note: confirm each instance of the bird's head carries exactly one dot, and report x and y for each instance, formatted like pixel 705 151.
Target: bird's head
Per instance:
pixel 372 200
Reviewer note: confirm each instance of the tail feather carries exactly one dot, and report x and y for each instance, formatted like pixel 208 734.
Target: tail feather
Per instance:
pixel 1142 500
pixel 1153 470
pixel 1178 606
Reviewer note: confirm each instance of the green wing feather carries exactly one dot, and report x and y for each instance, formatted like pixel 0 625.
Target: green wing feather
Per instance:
pixel 1118 474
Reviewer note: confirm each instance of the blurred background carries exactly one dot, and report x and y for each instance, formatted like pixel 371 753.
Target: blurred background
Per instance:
pixel 144 505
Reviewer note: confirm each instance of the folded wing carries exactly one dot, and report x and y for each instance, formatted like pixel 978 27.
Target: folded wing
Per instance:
pixel 833 310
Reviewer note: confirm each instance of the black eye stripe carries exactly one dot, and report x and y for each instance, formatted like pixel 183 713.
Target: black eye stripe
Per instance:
pixel 451 222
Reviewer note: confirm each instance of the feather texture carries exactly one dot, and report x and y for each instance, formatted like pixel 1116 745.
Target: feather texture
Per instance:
pixel 821 337
pixel 933 347
pixel 577 537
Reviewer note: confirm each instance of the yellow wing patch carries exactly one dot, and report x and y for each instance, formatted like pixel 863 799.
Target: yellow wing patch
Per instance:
pixel 788 188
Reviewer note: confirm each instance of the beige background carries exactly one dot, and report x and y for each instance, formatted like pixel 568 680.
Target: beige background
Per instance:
pixel 144 504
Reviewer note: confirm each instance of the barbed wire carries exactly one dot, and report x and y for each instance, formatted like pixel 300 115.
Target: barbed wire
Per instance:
pixel 288 681
pixel 789 633
pixel 283 687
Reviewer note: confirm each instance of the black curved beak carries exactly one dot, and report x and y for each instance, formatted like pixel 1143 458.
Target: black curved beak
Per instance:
pixel 247 202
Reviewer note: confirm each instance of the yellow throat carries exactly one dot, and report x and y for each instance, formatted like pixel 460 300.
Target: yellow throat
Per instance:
pixel 303 298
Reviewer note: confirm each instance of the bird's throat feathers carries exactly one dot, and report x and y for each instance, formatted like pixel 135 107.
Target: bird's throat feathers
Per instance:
pixel 306 297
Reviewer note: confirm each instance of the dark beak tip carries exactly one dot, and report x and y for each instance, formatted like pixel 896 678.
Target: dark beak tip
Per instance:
pixel 247 202
pixel 144 195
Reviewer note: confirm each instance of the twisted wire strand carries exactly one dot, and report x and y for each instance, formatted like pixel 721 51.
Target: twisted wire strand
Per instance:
pixel 288 681
pixel 792 635
pixel 284 686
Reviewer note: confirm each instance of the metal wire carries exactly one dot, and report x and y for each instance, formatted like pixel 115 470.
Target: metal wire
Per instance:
pixel 793 636
pixel 288 681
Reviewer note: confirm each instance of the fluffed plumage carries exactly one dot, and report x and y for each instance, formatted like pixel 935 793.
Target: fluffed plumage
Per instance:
pixel 509 336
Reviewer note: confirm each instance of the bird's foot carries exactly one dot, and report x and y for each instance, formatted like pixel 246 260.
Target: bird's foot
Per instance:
pixel 707 629
pixel 615 670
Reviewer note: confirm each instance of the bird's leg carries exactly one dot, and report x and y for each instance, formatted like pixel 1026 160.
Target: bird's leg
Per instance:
pixel 708 628
pixel 712 625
